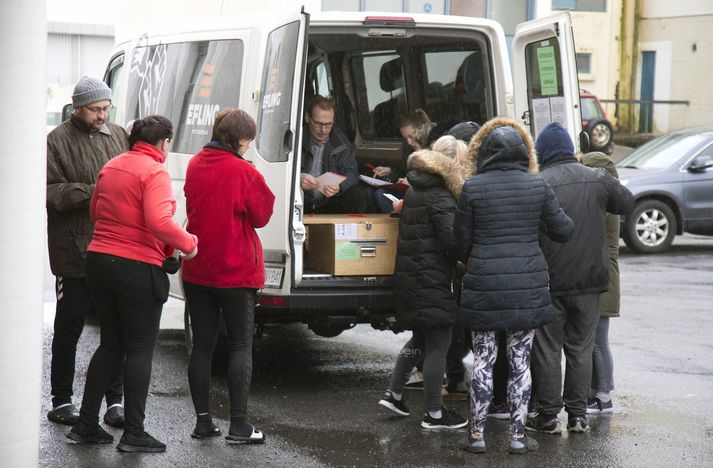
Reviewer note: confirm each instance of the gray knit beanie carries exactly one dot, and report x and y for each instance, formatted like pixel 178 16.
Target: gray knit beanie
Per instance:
pixel 89 90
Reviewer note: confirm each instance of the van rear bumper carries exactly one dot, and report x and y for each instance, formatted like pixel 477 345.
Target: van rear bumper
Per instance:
pixel 363 305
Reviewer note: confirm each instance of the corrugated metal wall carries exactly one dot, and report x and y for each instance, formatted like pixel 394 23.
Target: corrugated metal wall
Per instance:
pixel 71 56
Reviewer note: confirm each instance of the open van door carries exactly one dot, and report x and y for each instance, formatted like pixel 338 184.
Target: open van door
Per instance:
pixel 545 75
pixel 279 131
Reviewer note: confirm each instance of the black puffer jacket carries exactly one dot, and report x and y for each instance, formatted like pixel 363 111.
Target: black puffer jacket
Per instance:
pixel 499 211
pixel 425 256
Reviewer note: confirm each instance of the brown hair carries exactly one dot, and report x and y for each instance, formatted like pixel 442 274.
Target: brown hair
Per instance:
pixel 421 124
pixel 322 102
pixel 233 125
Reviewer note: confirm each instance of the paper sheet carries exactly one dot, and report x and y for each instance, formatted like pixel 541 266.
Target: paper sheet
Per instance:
pixel 373 181
pixel 329 178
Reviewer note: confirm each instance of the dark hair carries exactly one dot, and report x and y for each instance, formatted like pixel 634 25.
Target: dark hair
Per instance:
pixel 324 103
pixel 151 129
pixel 421 124
pixel 231 126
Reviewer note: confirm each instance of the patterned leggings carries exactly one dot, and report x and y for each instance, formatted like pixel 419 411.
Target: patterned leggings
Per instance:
pixel 485 350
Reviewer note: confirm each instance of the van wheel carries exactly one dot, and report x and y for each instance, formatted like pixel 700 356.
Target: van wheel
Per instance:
pixel 328 332
pixel 650 228
pixel 219 360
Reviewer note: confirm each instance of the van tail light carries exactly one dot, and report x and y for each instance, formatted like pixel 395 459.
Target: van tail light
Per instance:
pixel 389 21
pixel 272 301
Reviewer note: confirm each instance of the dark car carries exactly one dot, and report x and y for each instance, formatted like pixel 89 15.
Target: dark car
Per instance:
pixel 596 123
pixel 671 178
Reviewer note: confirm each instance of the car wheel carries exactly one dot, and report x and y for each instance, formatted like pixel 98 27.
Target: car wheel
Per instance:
pixel 601 136
pixel 650 228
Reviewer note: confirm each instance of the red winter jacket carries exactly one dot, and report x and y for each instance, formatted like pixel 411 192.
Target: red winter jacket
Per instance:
pixel 226 200
pixel 133 206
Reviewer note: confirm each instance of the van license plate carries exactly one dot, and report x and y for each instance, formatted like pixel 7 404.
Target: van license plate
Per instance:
pixel 273 277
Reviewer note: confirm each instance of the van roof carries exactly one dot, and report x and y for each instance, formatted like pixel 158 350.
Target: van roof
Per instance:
pixel 174 26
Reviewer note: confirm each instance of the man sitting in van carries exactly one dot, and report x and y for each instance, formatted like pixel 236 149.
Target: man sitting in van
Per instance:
pixel 326 148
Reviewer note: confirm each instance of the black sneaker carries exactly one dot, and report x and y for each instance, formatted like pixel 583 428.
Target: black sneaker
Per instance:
pixel 577 424
pixel 547 423
pixel 597 406
pixel 523 444
pixel 448 420
pixel 397 406
pixel 499 411
pixel 114 416
pixel 83 434
pixel 143 443
pixel 64 414
pixel 472 444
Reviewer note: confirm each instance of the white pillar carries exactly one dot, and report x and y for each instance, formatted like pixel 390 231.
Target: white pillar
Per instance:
pixel 23 35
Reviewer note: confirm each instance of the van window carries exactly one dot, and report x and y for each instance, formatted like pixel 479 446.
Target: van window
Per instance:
pixel 277 85
pixel 381 93
pixel 115 80
pixel 544 84
pixel 450 88
pixel 188 83
pixel 454 87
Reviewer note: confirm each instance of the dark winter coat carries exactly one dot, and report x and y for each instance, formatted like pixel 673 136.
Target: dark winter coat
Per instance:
pixel 75 155
pixel 609 301
pixel 586 194
pixel 425 255
pixel 499 211
pixel 338 156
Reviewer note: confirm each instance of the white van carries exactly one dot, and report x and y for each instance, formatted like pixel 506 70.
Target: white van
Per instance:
pixel 377 67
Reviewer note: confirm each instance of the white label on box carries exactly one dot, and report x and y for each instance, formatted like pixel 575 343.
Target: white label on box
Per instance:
pixel 345 231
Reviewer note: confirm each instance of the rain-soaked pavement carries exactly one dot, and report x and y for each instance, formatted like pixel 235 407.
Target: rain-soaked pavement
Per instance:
pixel 316 398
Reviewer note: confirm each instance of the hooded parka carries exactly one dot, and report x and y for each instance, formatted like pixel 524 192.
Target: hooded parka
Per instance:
pixel 499 211
pixel 425 256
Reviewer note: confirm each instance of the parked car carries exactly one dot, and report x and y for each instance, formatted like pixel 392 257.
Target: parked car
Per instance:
pixel 671 178
pixel 596 123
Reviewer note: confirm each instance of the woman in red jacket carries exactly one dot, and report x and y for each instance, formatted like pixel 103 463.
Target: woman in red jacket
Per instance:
pixel 132 208
pixel 226 200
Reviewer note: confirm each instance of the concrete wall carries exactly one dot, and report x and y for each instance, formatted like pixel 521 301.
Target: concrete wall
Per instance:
pixel 684 65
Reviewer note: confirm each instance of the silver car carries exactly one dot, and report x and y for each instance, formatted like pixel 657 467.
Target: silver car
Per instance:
pixel 671 178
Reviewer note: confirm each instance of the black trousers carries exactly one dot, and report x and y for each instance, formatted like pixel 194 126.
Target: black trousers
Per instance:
pixel 73 305
pixel 236 308
pixel 129 297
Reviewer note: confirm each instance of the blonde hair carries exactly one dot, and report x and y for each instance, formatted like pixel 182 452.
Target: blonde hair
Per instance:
pixel 451 147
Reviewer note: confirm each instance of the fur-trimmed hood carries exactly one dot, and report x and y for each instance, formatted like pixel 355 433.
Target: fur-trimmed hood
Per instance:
pixel 437 163
pixel 502 142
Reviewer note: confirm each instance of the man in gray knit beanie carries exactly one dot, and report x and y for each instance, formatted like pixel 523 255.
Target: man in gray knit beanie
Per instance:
pixel 76 151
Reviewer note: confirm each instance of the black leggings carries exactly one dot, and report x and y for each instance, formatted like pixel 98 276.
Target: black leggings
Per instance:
pixel 129 297
pixel 236 307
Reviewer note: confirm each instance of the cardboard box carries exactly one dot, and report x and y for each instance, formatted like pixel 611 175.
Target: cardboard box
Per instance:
pixel 351 245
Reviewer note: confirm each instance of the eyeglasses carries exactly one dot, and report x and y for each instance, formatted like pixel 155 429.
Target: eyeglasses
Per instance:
pixel 99 110
pixel 322 125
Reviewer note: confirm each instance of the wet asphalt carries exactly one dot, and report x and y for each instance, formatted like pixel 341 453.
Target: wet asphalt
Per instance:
pixel 315 398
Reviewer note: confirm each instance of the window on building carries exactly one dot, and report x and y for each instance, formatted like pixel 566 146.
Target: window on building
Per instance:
pixel 340 5
pixel 384 5
pixel 580 5
pixel 584 63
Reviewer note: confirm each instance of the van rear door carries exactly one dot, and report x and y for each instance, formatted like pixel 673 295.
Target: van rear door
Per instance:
pixel 545 75
pixel 277 143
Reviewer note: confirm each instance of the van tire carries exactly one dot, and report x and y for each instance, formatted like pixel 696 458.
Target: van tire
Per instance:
pixel 326 331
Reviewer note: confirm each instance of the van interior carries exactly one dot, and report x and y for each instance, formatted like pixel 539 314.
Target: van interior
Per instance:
pixel 378 76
